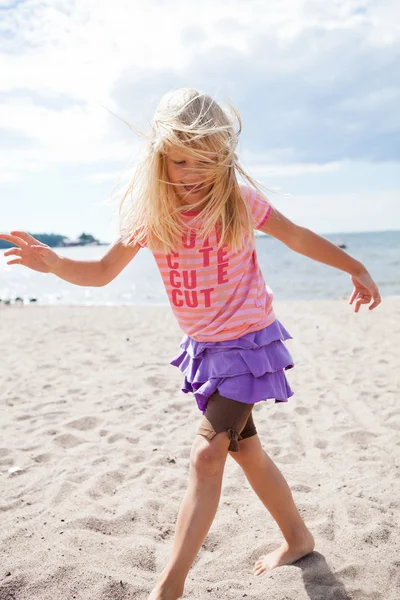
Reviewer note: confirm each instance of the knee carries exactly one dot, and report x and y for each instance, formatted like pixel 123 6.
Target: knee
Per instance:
pixel 207 458
pixel 250 452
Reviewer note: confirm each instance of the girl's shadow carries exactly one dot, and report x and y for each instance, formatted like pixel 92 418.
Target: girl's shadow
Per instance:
pixel 319 581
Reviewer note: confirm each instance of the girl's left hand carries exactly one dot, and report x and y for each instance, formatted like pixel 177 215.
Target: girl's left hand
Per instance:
pixel 364 291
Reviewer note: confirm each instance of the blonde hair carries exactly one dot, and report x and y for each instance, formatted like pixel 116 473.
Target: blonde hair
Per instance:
pixel 193 123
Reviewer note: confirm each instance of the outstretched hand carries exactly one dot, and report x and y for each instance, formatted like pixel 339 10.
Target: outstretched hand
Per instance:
pixel 30 252
pixel 364 291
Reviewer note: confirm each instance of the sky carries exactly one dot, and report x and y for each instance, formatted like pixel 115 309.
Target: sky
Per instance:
pixel 317 85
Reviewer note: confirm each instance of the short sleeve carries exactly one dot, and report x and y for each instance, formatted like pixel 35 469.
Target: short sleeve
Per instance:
pixel 259 207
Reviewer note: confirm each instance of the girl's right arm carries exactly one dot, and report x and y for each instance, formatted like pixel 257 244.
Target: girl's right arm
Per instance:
pixel 94 273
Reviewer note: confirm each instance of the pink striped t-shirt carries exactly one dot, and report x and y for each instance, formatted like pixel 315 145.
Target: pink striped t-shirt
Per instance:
pixel 218 295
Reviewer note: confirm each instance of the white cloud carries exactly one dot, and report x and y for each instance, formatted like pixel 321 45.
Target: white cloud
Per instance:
pixel 293 169
pixel 68 58
pixel 8 177
pixel 74 134
pixel 342 212
pixel 102 177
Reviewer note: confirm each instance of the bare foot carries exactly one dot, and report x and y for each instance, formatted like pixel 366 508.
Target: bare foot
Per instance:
pixel 285 555
pixel 160 592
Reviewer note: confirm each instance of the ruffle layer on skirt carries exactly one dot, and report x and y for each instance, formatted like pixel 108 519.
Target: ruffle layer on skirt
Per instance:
pixel 248 369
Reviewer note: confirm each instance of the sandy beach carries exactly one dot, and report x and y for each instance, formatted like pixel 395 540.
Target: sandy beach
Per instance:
pixel 95 444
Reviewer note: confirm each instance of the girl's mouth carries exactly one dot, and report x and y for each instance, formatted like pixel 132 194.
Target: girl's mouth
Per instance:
pixel 191 189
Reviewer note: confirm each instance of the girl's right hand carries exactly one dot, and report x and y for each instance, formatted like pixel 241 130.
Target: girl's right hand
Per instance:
pixel 30 252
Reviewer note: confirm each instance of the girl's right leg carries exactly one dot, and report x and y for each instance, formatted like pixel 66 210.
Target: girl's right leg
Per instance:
pixel 196 514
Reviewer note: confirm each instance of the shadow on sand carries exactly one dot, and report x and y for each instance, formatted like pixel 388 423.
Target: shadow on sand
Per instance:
pixel 319 581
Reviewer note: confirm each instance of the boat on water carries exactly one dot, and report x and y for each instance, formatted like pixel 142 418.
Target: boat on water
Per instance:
pixel 340 243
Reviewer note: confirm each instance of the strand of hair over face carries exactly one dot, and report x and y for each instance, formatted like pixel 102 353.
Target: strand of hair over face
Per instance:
pixel 194 124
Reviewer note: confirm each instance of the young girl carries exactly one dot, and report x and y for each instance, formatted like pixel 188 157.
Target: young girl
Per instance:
pixel 186 204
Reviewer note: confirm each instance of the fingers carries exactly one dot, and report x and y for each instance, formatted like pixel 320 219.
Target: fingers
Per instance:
pixel 358 304
pixel 13 239
pixel 13 251
pixel 364 292
pixel 20 253
pixel 353 296
pixel 357 295
pixel 25 236
pixel 366 299
pixel 374 305
pixel 19 238
pixel 377 300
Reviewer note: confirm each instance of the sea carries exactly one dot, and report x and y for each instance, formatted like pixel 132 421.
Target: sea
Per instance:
pixel 290 275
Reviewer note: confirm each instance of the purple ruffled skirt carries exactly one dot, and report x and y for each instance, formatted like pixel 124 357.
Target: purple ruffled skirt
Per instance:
pixel 248 369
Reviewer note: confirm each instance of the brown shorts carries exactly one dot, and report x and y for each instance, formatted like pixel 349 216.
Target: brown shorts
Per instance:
pixel 232 416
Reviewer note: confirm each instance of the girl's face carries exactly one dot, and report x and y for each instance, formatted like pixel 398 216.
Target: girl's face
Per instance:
pixel 184 173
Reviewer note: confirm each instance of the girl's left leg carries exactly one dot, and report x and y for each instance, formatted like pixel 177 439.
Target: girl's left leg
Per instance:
pixel 271 487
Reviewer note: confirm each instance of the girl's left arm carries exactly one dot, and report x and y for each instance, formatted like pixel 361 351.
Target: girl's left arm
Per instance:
pixel 304 241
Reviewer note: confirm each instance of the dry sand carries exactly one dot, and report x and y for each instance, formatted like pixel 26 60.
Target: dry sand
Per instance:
pixel 93 419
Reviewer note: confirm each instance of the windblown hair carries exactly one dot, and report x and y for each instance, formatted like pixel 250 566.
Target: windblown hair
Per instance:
pixel 192 123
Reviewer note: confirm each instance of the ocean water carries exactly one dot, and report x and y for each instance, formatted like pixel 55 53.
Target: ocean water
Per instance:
pixel 290 275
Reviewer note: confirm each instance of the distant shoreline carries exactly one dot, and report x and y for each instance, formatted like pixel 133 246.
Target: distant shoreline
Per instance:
pixel 7 245
pixel 76 244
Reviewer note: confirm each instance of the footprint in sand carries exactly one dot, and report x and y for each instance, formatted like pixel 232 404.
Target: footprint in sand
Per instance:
pixel 9 590
pixel 67 440
pixel 302 488
pixel 350 572
pixel 321 444
pixel 105 484
pixel 43 458
pixel 115 437
pixel 147 427
pixel 123 525
pixel 289 459
pixel 121 589
pixel 359 437
pixel 211 542
pixel 25 418
pixel 112 358
pixel 156 382
pixel 326 529
pixel 181 407
pixel 84 424
pixel 133 441
pixel 363 595
pixel 66 488
pixel 377 536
